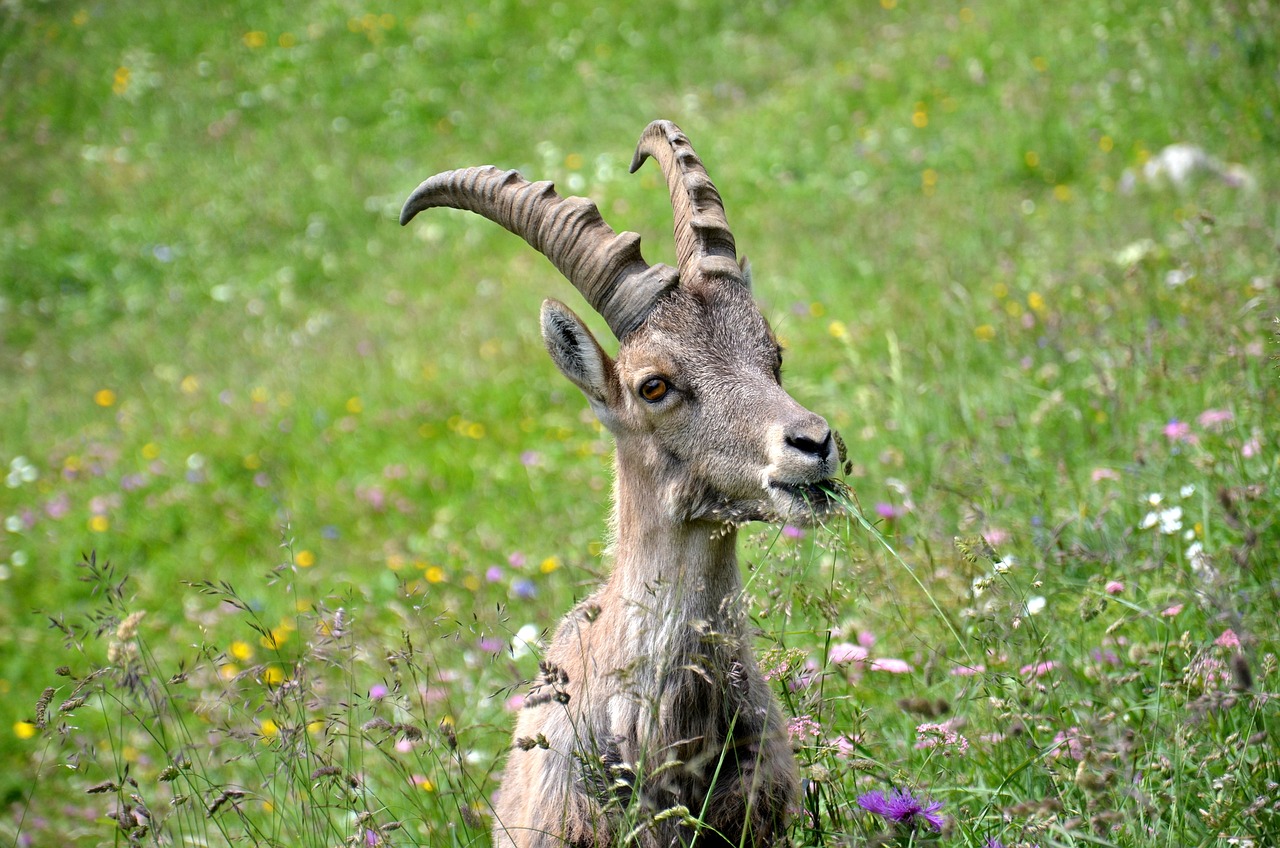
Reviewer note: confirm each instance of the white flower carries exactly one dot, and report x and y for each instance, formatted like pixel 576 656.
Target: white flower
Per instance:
pixel 1035 605
pixel 1187 490
pixel 980 585
pixel 1171 520
pixel 1155 499
pixel 1168 520
pixel 526 640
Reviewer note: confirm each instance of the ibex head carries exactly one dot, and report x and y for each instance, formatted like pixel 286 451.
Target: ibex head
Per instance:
pixel 694 397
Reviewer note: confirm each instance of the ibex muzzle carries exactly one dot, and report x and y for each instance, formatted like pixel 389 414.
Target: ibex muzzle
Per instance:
pixel 658 702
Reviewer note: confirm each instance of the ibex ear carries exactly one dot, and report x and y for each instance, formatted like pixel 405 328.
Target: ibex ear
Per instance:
pixel 576 352
pixel 745 267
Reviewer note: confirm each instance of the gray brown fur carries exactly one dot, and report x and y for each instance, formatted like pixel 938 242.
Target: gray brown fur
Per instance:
pixel 650 721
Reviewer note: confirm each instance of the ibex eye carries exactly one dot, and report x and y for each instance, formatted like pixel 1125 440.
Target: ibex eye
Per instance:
pixel 653 389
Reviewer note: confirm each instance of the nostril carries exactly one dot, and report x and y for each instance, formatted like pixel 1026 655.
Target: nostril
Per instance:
pixel 810 445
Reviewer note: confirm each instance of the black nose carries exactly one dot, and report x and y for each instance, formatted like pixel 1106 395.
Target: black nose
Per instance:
pixel 806 443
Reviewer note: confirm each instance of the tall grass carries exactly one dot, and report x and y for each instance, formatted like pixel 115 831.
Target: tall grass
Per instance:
pixel 343 494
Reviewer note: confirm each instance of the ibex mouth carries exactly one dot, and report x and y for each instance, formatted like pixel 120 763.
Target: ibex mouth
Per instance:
pixel 810 500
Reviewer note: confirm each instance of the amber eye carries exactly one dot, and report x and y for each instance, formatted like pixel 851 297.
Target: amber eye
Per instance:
pixel 653 389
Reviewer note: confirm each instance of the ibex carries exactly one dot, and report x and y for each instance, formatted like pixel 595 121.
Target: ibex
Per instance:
pixel 650 722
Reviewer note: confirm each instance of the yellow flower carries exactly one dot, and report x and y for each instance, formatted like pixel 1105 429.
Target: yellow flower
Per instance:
pixel 24 729
pixel 434 574
pixel 1062 192
pixel 304 559
pixel 150 450
pixel 355 406
pixel 120 82
pixel 259 395
pixel 269 727
pixel 985 332
pixel 425 784
pixel 1105 144
pixel 255 39
pixel 1036 302
pixel 104 397
pixel 190 384
pixel 1031 158
pixel 99 524
pixel 242 651
pixel 273 675
pixel 838 330
pixel 573 161
pixel 228 671
pixel 549 565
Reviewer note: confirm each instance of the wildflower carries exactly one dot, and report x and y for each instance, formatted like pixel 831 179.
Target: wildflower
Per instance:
pixel 1228 639
pixel 1100 474
pixel 968 670
pixel 1168 520
pixel 1071 742
pixel 844 652
pixel 889 512
pixel 1212 417
pixel 799 727
pixel 493 574
pixel 942 736
pixel 523 588
pixel 377 692
pixel 1251 448
pixel 1179 431
pixel 1038 669
pixel 1036 605
pixel 891 665
pixel 901 807
pixel 1113 587
pixel 1170 612
pixel 792 532
pixel 1187 490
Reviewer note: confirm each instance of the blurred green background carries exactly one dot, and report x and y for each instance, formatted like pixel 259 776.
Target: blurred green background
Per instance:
pixel 215 337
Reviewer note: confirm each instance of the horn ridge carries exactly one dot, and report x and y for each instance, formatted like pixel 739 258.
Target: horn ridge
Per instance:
pixel 607 268
pixel 704 243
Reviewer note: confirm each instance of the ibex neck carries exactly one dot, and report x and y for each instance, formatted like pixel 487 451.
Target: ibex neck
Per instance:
pixel 690 565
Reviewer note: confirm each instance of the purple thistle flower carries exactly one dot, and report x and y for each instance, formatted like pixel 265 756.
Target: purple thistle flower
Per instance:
pixel 902 807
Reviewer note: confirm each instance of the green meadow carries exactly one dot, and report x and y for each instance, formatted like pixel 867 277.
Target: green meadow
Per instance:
pixel 292 494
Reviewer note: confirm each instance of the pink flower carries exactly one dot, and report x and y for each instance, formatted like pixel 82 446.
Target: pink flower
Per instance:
pixel 1114 587
pixel 1170 612
pixel 1210 417
pixel 996 536
pixel 1038 669
pixel 866 638
pixel 941 736
pixel 1251 448
pixel 377 692
pixel 968 670
pixel 844 652
pixel 1179 431
pixel 1100 474
pixel 888 511
pixel 792 532
pixel 893 666
pixel 1228 639
pixel 802 726
pixel 1070 742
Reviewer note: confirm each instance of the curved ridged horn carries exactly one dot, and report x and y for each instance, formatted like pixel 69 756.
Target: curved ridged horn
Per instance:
pixel 605 266
pixel 703 240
